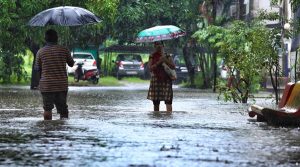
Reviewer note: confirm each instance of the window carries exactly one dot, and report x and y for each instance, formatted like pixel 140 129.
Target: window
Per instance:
pixel 82 56
pixel 129 57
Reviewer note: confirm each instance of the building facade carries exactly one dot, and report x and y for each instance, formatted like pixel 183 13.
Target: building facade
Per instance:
pixel 286 55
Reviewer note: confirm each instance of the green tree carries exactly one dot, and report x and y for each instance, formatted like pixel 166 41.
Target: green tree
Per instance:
pixel 208 39
pixel 295 3
pixel 279 34
pixel 16 37
pixel 247 50
pixel 213 12
pixel 134 16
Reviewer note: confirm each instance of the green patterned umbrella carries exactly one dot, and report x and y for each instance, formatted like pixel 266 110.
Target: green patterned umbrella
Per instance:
pixel 159 33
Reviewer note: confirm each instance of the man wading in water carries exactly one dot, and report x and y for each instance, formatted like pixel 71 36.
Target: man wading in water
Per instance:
pixel 51 62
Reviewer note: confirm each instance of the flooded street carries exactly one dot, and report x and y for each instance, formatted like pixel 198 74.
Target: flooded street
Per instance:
pixel 115 126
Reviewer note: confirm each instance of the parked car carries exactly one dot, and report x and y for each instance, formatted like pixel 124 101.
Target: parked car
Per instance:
pixel 128 65
pixel 86 58
pixel 181 69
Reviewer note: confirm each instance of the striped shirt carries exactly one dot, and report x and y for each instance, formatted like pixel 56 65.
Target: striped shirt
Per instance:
pixel 51 62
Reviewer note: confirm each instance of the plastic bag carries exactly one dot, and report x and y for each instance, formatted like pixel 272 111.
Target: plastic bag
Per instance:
pixel 171 73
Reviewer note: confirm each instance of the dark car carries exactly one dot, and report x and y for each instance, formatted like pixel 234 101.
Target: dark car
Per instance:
pixel 128 65
pixel 181 69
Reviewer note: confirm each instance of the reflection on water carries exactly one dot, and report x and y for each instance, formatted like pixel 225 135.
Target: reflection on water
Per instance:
pixel 116 127
pixel 161 115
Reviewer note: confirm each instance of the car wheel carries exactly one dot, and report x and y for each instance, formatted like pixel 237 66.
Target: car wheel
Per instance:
pixel 76 78
pixel 176 82
pixel 146 71
pixel 95 81
pixel 119 77
pixel 143 76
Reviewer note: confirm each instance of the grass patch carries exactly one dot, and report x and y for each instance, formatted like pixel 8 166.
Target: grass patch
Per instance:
pixel 103 81
pixel 106 81
pixel 134 80
pixel 109 81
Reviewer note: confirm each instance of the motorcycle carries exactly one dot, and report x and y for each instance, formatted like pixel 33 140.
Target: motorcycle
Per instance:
pixel 86 74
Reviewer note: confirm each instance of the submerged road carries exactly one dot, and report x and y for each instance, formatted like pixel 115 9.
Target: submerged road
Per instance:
pixel 115 126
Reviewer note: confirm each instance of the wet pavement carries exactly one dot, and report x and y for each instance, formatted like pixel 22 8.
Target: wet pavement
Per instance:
pixel 114 126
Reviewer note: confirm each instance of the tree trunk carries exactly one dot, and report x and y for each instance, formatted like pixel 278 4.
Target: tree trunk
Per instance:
pixel 188 56
pixel 214 11
pixel 275 83
pixel 242 10
pixel 244 97
pixel 207 65
pixel 35 75
pixel 203 71
pixel 244 87
pixel 296 62
pixel 214 70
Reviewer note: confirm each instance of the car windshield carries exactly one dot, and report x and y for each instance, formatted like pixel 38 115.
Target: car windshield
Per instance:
pixel 128 57
pixel 82 56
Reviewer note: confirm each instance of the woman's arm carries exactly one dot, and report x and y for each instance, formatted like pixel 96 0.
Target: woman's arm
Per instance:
pixel 164 59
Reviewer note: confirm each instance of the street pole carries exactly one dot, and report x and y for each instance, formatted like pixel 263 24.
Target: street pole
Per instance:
pixel 296 65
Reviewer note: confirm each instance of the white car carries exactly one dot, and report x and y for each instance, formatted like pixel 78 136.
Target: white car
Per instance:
pixel 225 71
pixel 86 58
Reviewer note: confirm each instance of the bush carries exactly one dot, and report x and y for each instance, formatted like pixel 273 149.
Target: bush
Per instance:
pixel 12 68
pixel 199 82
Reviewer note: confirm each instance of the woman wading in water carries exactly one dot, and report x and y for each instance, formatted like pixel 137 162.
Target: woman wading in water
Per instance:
pixel 160 84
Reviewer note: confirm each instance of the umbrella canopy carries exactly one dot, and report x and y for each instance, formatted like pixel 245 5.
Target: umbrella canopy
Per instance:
pixel 64 16
pixel 159 33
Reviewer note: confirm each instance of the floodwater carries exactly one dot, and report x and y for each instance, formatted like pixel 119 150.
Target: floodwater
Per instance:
pixel 114 126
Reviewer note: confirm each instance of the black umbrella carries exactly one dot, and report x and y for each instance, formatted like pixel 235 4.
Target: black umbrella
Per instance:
pixel 64 16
